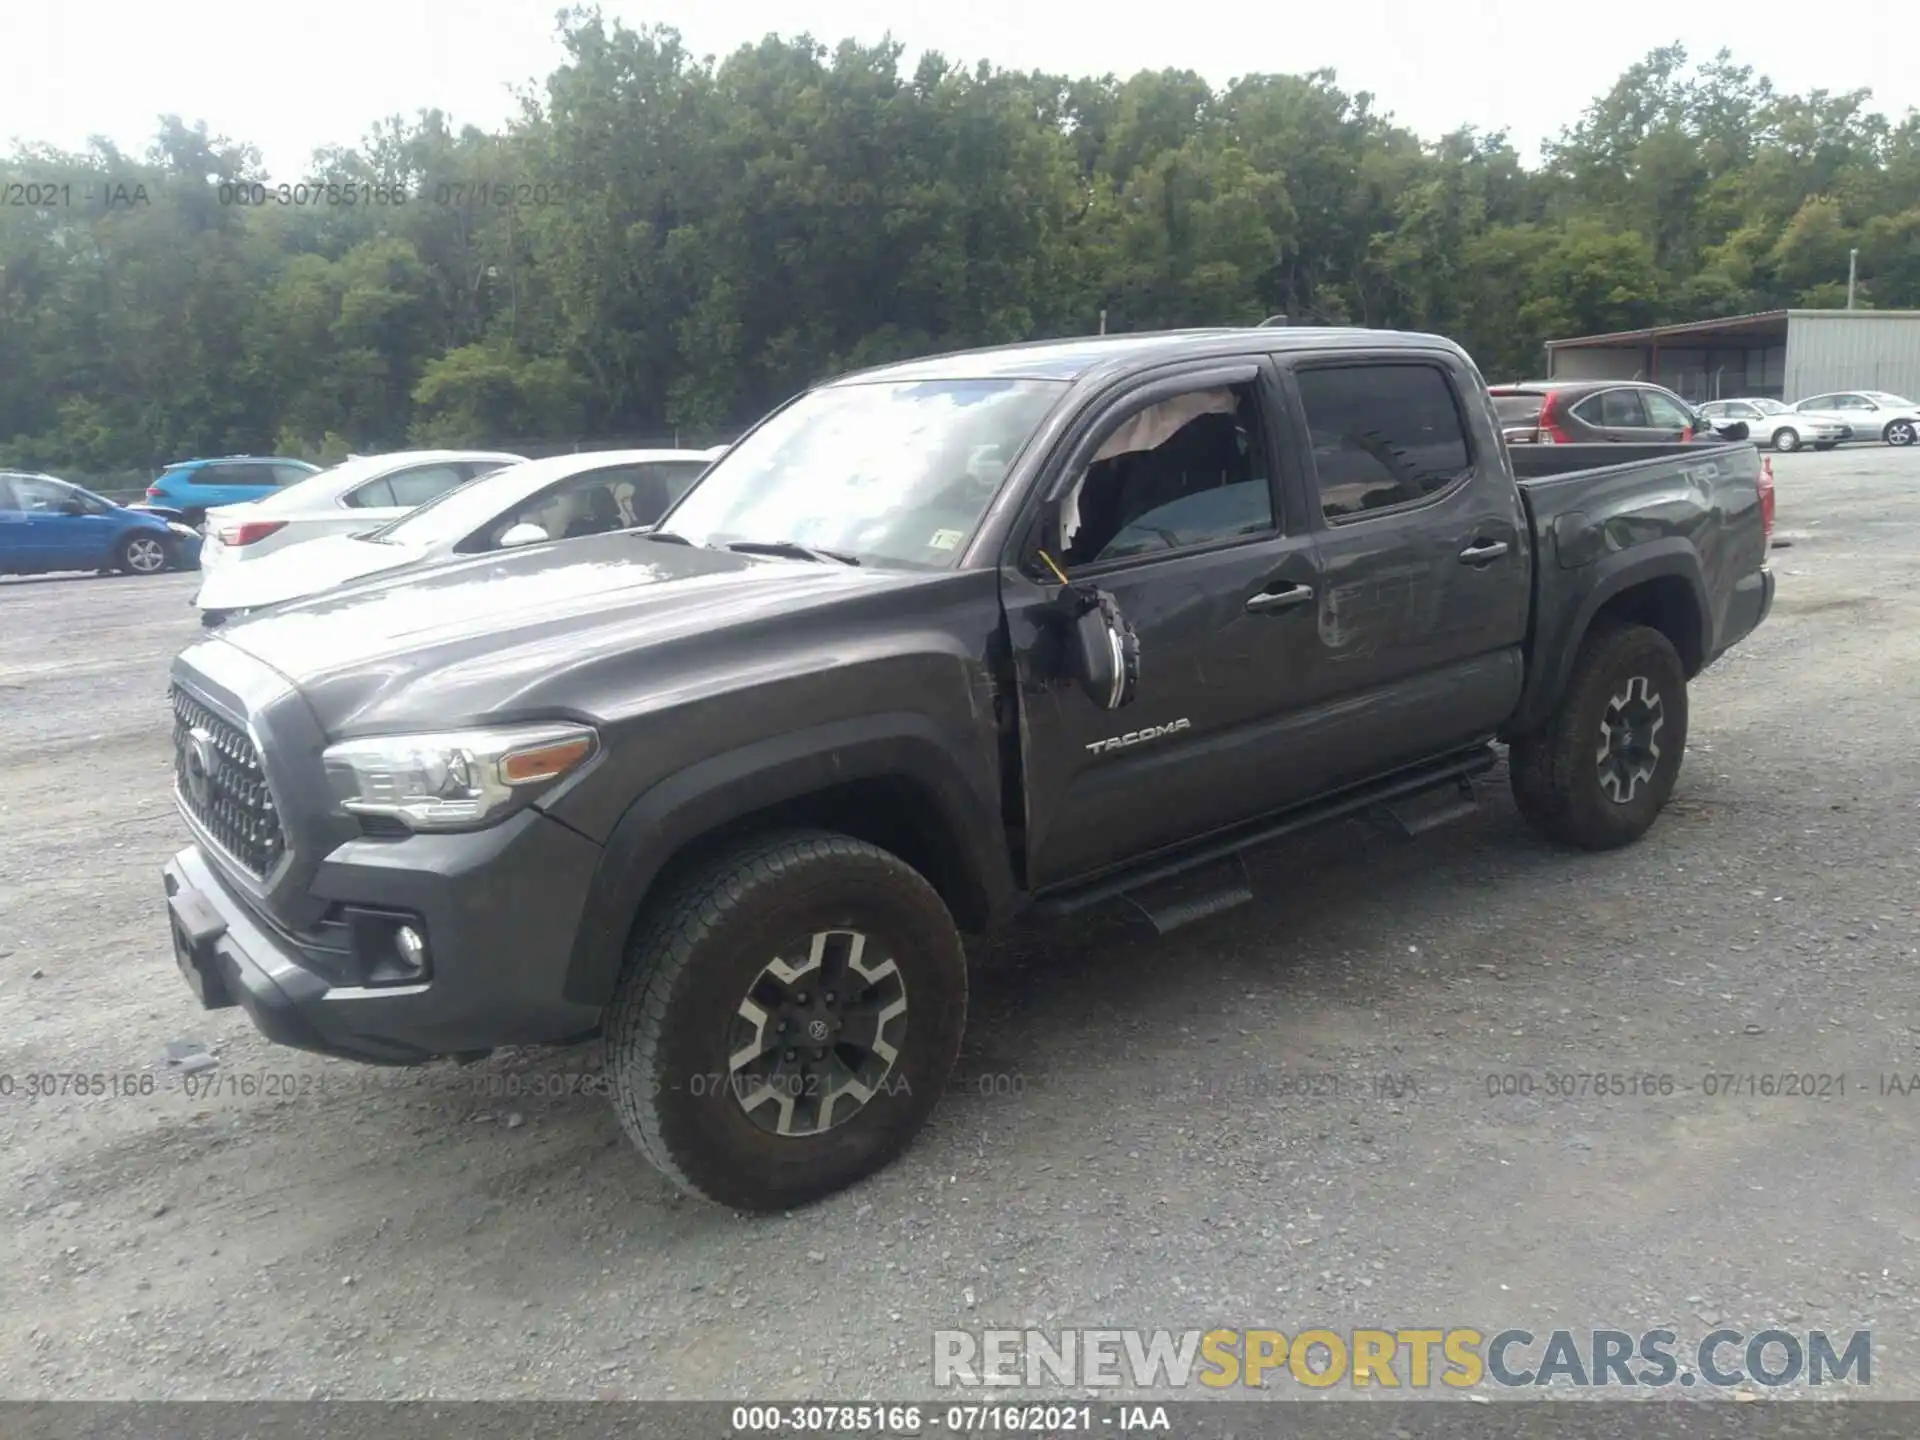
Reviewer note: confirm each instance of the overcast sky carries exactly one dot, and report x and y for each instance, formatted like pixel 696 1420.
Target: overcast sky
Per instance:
pixel 294 75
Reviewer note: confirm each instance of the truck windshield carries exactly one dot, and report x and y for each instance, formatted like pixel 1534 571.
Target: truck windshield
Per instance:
pixel 889 472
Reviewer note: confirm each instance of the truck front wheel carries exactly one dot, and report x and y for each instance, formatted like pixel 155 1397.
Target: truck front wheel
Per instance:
pixel 1600 771
pixel 789 1014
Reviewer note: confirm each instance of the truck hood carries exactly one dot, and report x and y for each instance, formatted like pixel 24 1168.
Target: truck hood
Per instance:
pixel 298 571
pixel 447 644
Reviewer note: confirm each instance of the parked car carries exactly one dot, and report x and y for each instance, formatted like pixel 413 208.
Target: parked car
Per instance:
pixel 1577 412
pixel 190 488
pixel 727 792
pixel 1872 414
pixel 1773 423
pixel 48 525
pixel 360 494
pixel 534 501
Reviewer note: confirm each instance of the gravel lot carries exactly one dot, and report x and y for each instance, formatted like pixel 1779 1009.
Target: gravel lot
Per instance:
pixel 427 1232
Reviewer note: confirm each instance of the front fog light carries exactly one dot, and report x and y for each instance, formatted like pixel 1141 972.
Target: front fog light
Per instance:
pixel 389 948
pixel 412 947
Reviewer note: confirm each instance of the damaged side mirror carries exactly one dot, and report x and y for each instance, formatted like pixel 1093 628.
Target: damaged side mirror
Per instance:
pixel 1105 653
pixel 1102 652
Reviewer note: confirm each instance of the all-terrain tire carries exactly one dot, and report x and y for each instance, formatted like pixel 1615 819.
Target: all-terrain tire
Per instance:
pixel 693 961
pixel 1556 773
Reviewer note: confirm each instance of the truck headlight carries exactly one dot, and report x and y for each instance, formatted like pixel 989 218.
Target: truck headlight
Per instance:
pixel 456 780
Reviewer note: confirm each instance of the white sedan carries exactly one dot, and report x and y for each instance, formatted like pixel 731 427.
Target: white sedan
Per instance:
pixel 1784 428
pixel 1871 414
pixel 359 494
pixel 555 499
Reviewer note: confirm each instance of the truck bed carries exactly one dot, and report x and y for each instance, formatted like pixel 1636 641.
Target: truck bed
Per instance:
pixel 1687 516
pixel 1553 462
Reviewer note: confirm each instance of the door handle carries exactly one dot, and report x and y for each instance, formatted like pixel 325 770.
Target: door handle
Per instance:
pixel 1283 597
pixel 1483 551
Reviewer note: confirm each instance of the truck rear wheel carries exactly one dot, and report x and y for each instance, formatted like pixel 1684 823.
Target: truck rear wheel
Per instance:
pixel 788 1017
pixel 1600 771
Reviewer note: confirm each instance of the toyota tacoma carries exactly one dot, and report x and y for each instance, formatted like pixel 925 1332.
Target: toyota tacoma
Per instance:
pixel 935 645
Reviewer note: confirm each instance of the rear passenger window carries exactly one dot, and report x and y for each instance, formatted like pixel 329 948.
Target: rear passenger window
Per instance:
pixel 236 472
pixel 417 486
pixel 370 496
pixel 1383 435
pixel 1620 409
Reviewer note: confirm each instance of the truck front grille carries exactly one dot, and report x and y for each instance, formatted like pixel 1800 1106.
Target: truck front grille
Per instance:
pixel 217 775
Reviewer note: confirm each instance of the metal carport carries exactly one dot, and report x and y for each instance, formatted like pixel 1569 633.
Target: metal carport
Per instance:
pixel 1784 354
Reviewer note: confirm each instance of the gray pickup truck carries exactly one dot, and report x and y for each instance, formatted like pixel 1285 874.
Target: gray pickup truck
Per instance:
pixel 932 646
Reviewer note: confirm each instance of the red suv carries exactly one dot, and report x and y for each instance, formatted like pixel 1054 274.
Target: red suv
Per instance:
pixel 1586 412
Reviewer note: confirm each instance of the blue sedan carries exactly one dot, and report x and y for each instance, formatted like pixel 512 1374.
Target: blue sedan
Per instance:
pixel 47 524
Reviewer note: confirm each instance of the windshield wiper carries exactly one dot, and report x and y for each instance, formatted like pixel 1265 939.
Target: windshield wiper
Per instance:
pixel 666 537
pixel 793 548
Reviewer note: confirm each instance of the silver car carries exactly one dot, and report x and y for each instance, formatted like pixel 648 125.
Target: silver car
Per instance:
pixel 1871 414
pixel 1786 429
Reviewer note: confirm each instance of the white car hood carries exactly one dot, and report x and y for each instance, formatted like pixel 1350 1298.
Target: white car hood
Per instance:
pixel 298 571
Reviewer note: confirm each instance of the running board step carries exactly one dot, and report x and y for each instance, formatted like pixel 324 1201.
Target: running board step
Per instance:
pixel 1182 899
pixel 1356 803
pixel 1404 820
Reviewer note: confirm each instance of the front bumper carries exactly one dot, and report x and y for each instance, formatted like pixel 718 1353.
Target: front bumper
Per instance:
pixel 499 909
pixel 186 543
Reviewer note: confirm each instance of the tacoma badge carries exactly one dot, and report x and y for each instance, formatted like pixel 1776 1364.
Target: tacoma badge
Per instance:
pixel 1135 737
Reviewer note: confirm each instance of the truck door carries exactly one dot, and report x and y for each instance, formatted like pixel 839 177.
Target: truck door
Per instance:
pixel 1425 554
pixel 1171 500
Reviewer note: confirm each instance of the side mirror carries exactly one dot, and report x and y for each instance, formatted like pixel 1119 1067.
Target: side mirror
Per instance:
pixel 1102 649
pixel 523 534
pixel 72 507
pixel 1730 429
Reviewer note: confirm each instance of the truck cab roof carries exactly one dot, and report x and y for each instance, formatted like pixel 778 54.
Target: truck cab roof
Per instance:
pixel 1078 357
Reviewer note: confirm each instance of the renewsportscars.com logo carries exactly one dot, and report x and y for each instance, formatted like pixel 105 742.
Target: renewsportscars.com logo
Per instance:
pixel 1409 1358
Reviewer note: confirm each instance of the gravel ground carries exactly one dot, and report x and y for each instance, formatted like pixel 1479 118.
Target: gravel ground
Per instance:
pixel 1130 1144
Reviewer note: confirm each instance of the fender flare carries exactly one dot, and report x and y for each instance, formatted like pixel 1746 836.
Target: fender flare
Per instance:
pixel 735 784
pixel 1673 557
